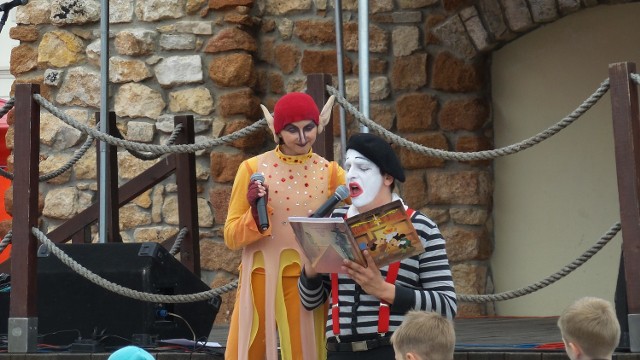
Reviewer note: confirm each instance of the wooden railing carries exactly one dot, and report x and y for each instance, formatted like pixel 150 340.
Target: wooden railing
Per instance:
pixel 626 132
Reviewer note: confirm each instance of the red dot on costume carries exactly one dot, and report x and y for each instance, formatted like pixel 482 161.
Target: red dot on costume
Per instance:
pixel 315 161
pixel 306 184
pixel 291 177
pixel 326 165
pixel 287 198
pixel 283 179
pixel 288 209
pixel 289 170
pixel 275 165
pixel 306 167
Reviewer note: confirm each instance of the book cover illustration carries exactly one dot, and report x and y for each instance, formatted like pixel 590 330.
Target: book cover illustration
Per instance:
pixel 387 233
pixel 326 242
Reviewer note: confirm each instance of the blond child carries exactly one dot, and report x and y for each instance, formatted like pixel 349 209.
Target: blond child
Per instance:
pixel 590 329
pixel 424 336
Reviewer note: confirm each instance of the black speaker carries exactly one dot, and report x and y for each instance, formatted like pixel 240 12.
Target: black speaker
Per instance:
pixel 70 306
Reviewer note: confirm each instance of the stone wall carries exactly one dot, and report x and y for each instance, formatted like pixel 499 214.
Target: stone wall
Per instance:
pixel 220 59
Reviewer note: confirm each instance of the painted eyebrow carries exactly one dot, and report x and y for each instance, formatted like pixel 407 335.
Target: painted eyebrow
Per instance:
pixel 289 126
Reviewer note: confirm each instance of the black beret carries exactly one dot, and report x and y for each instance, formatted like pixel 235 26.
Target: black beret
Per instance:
pixel 379 152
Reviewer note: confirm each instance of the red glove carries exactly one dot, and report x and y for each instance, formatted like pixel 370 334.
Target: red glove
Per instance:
pixel 253 196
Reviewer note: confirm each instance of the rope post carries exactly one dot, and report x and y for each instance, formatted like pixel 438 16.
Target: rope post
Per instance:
pixel 187 196
pixel 626 132
pixel 317 89
pixel 23 320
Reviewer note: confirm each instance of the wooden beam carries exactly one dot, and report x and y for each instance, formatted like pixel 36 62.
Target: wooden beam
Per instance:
pixel 128 191
pixel 111 179
pixel 24 266
pixel 187 197
pixel 626 131
pixel 316 88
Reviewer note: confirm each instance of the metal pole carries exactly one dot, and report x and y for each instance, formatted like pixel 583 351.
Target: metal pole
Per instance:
pixel 104 116
pixel 363 56
pixel 339 49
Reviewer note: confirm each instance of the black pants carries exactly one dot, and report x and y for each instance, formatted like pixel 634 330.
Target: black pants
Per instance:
pixel 381 353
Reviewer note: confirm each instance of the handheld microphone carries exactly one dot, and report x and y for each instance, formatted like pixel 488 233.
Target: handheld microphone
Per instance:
pixel 342 192
pixel 11 4
pixel 261 205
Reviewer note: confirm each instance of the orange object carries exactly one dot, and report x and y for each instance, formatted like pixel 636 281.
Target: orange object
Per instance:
pixel 4 152
pixel 4 182
pixel 5 254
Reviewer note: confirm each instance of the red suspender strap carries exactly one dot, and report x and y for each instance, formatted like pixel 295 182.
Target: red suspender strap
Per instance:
pixel 335 311
pixel 392 274
pixel 383 314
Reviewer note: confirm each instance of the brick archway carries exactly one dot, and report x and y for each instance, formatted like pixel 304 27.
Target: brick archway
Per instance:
pixel 487 25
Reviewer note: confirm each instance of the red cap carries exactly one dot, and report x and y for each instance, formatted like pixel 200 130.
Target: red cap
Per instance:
pixel 294 107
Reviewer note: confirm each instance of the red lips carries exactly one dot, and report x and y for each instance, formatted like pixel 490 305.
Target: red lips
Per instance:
pixel 354 189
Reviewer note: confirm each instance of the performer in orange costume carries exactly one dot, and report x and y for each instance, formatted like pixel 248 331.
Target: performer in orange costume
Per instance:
pixel 297 182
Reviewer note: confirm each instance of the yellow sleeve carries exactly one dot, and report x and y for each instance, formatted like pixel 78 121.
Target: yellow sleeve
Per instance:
pixel 240 229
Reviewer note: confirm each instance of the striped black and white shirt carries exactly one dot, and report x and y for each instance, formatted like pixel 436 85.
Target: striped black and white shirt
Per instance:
pixel 424 282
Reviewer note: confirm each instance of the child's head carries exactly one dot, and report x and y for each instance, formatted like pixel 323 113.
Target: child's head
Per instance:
pixel 131 353
pixel 589 329
pixel 424 336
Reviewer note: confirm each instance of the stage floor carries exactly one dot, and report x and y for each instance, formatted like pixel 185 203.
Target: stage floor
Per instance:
pixel 507 333
pixel 496 338
pixel 501 338
pixel 483 334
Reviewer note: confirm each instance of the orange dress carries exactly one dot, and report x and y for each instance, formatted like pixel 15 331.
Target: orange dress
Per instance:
pixel 267 301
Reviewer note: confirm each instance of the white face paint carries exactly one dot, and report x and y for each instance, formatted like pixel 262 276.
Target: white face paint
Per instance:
pixel 363 178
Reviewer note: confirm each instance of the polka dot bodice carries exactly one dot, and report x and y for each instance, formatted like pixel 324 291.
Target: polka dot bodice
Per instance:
pixel 298 185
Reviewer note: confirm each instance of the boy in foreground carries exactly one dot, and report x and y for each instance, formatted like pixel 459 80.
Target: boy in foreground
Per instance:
pixel 424 335
pixel 590 329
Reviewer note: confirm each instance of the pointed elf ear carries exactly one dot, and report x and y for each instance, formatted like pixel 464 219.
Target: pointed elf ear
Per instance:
pixel 269 117
pixel 325 115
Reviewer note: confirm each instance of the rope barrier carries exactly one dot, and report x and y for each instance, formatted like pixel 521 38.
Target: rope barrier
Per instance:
pixel 604 240
pixel 478 155
pixel 135 148
pixel 172 139
pixel 7 107
pixel 6 240
pixel 96 279
pixel 176 244
pixel 155 149
pixel 77 155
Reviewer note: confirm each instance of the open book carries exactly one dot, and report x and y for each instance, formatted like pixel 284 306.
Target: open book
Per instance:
pixel 385 231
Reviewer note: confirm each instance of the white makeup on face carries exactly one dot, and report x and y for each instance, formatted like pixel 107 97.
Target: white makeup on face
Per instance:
pixel 363 178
